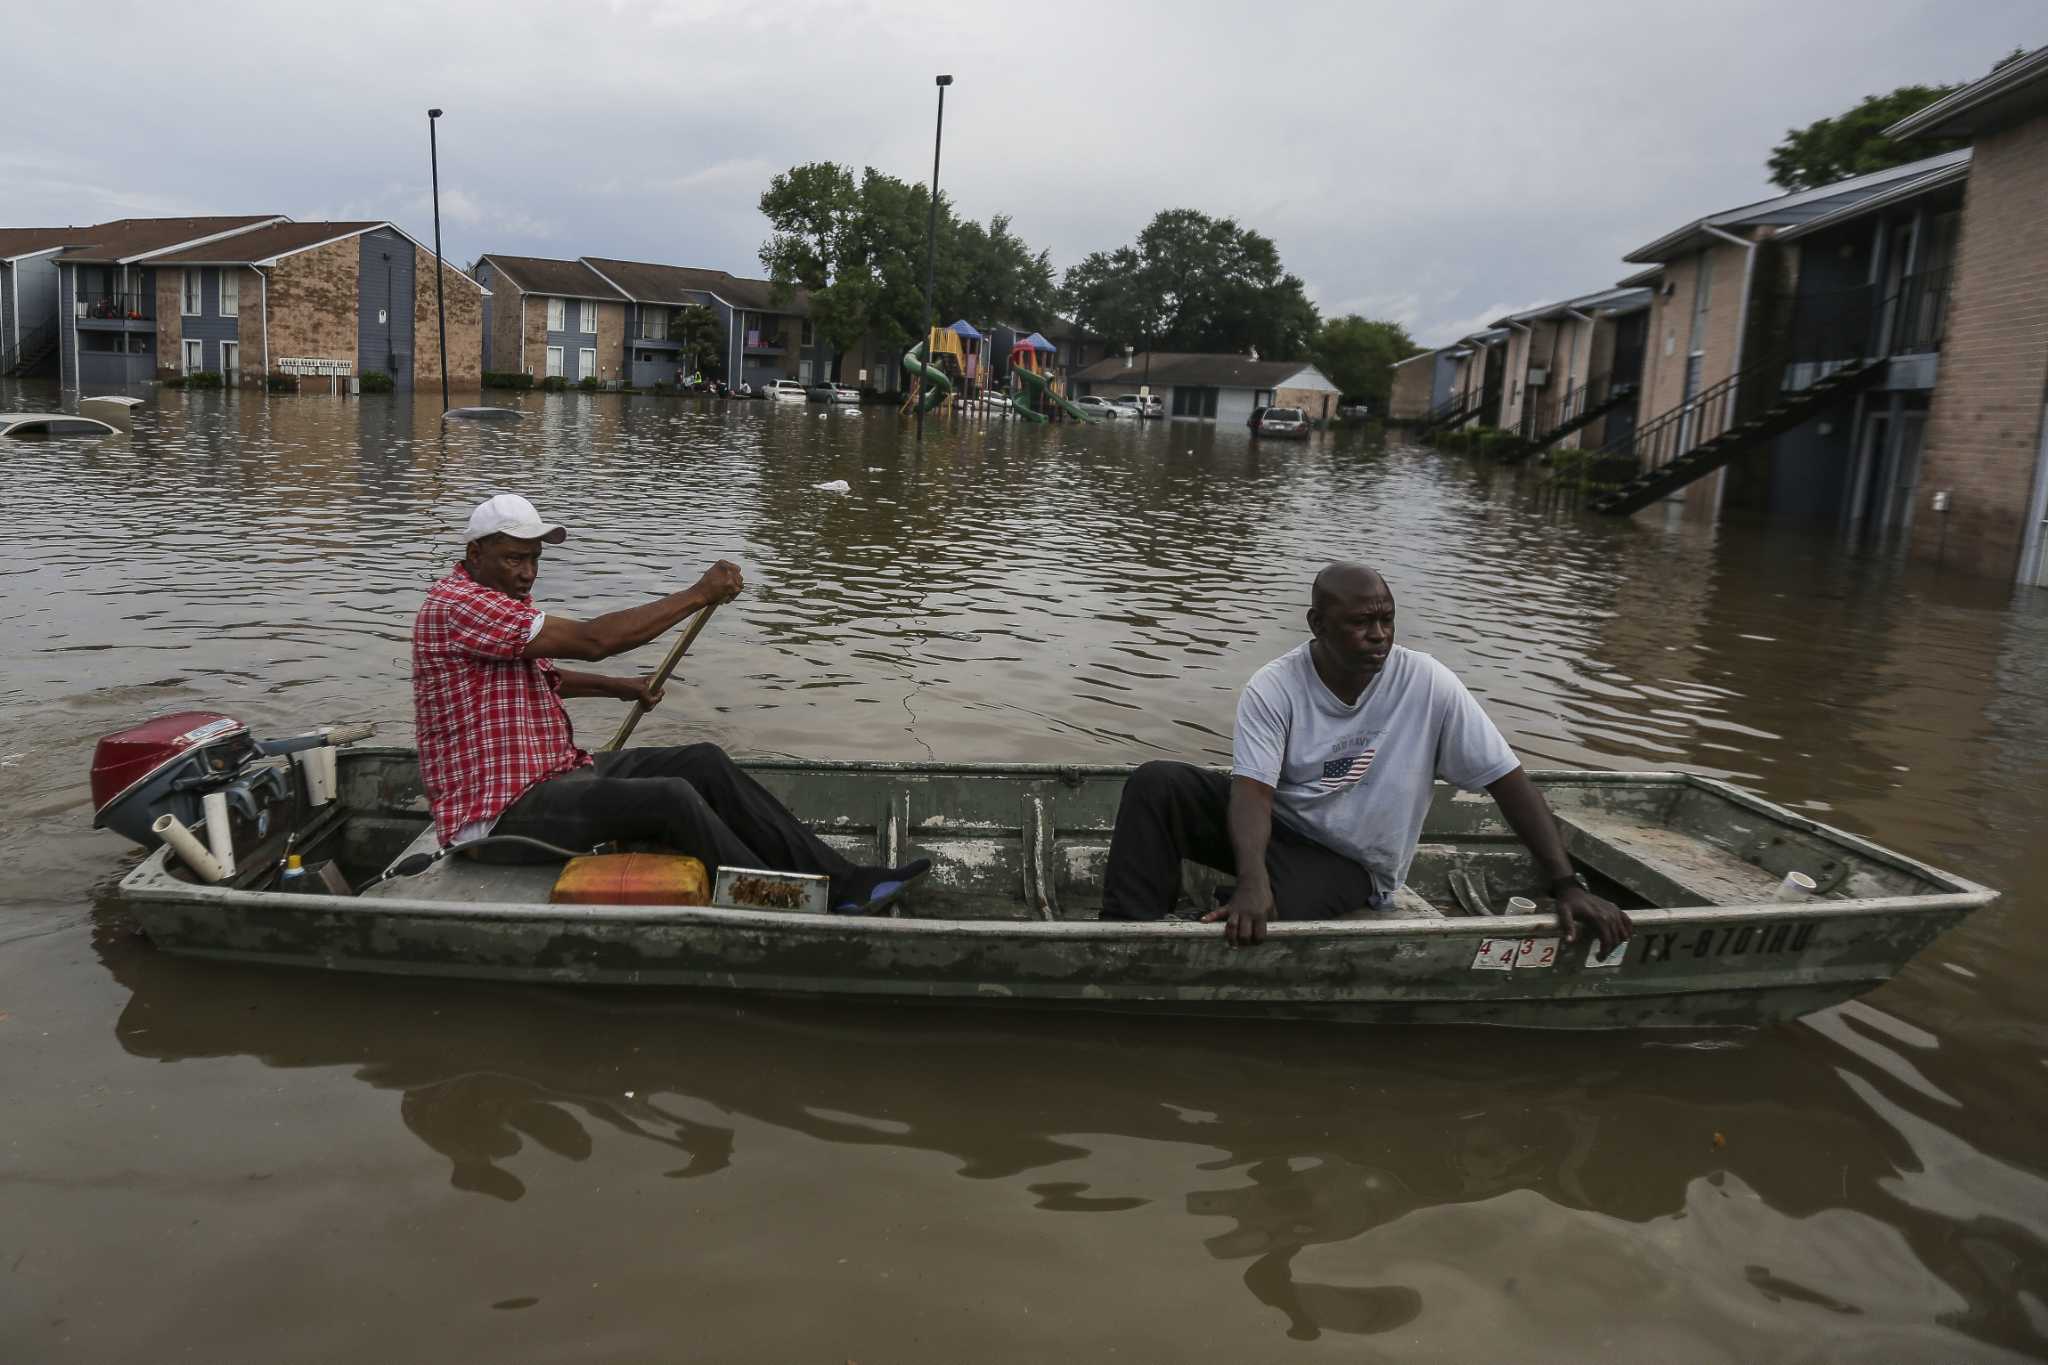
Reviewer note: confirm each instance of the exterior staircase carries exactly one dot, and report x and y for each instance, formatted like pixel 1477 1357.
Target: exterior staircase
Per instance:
pixel 1449 413
pixel 36 346
pixel 1582 406
pixel 1707 431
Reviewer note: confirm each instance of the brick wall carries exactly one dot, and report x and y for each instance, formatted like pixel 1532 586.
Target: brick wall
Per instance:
pixel 249 327
pixel 1984 429
pixel 1316 404
pixel 505 298
pixel 465 304
pixel 1409 398
pixel 170 325
pixel 313 303
pixel 611 341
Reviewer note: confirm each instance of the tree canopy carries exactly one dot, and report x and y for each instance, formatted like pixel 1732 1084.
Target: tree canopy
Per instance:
pixel 1358 355
pixel 1853 143
pixel 858 247
pixel 1193 283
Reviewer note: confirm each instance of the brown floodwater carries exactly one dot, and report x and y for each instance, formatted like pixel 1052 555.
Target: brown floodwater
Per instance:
pixel 230 1163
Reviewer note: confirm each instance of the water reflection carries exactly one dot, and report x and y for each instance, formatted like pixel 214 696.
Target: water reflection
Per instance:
pixel 1024 593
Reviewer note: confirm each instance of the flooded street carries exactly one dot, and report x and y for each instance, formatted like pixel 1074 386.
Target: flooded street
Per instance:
pixel 233 1163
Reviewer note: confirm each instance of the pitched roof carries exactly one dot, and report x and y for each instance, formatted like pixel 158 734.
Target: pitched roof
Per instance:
pixel 264 244
pixel 27 241
pixel 1066 329
pixel 564 279
pixel 1614 300
pixel 1786 209
pixel 126 239
pixel 1900 193
pixel 2014 90
pixel 645 282
pixel 1194 367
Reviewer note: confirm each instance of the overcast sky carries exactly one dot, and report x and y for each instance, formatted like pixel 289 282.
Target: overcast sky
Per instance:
pixel 1434 163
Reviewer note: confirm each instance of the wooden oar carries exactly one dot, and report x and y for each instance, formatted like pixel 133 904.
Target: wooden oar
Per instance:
pixel 668 666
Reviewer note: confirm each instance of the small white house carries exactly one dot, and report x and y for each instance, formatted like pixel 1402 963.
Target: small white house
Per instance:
pixel 1213 388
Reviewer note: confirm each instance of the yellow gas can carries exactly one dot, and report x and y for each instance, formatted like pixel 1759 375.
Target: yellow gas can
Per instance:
pixel 632 879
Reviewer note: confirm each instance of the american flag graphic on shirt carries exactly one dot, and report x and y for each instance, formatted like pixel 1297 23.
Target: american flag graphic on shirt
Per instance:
pixel 1340 773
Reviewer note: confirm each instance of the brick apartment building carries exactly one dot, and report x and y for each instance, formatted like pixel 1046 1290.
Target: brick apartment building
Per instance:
pixel 552 319
pixel 1986 437
pixel 141 299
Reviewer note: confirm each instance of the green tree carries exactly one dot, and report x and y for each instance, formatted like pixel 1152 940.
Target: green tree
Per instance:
pixel 1194 283
pixel 696 327
pixel 1853 143
pixel 1358 355
pixel 858 247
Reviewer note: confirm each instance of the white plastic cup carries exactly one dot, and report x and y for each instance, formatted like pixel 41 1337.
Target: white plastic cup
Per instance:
pixel 1797 886
pixel 1521 905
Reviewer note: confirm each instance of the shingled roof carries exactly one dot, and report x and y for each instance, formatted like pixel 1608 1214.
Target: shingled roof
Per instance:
pixel 1194 368
pixel 263 244
pixel 126 239
pixel 27 241
pixel 558 279
pixel 645 282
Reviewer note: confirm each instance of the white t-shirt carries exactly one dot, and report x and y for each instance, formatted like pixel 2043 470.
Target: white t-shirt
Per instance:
pixel 1357 778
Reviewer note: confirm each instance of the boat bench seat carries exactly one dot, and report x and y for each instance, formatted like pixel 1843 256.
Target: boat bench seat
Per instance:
pixel 1666 867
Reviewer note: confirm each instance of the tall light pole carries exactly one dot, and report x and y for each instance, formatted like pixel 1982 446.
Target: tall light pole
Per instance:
pixel 440 303
pixel 931 248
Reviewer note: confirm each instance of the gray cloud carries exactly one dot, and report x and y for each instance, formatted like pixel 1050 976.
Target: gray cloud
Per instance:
pixel 1434 163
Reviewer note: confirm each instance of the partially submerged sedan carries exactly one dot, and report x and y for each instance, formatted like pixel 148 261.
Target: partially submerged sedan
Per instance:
pixel 37 426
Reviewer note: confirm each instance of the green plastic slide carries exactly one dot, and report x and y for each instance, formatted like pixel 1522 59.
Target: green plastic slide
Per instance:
pixel 937 388
pixel 1038 384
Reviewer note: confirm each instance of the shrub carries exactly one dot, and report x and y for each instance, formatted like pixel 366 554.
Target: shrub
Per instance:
pixel 279 382
pixel 501 379
pixel 588 383
pixel 176 381
pixel 554 383
pixel 376 381
pixel 202 379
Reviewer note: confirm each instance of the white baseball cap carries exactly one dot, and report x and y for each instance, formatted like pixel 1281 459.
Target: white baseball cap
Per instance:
pixel 508 514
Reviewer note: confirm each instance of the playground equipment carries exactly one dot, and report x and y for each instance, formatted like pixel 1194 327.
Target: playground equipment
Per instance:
pixel 934 387
pixel 1034 386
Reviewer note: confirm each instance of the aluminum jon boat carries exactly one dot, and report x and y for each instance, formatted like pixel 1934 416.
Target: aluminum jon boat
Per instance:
pixel 1008 915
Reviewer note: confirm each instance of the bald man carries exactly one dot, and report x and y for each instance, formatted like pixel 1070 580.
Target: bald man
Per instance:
pixel 1337 746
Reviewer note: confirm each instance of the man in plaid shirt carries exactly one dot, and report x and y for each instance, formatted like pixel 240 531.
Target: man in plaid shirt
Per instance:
pixel 498 754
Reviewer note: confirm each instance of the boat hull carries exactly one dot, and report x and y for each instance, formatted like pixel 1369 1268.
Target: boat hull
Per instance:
pixel 1687 966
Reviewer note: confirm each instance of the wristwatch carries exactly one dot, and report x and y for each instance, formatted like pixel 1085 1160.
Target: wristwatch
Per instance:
pixel 1558 884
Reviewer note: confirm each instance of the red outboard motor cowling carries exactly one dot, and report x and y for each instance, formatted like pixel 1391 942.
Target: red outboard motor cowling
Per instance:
pixel 166 765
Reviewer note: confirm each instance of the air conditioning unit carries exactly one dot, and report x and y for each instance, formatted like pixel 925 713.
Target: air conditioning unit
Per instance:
pixel 1538 377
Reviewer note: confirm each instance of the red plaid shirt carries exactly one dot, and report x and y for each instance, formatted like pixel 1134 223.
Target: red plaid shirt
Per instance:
pixel 489 723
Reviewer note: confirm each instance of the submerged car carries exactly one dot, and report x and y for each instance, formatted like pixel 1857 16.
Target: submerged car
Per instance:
pixel 1102 407
pixel 1142 405
pixel 36 426
pixel 834 393
pixel 1290 424
pixel 786 391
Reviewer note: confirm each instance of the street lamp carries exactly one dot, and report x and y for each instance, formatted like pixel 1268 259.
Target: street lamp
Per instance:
pixel 440 304
pixel 931 246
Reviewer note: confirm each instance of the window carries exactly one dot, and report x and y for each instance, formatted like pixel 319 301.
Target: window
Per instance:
pixel 654 324
pixel 555 359
pixel 590 316
pixel 231 360
pixel 586 361
pixel 556 321
pixel 189 294
pixel 230 293
pixel 195 351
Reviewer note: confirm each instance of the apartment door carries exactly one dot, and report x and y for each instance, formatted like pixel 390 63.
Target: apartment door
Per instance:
pixel 231 362
pixel 194 357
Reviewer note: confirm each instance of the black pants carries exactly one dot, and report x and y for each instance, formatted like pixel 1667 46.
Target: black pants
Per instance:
pixel 1172 811
pixel 691 800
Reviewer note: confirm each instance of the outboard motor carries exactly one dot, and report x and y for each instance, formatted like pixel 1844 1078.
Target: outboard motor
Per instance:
pixel 169 765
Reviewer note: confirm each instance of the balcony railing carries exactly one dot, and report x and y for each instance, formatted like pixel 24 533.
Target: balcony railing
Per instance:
pixel 114 306
pixel 649 329
pixel 1920 312
pixel 777 342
